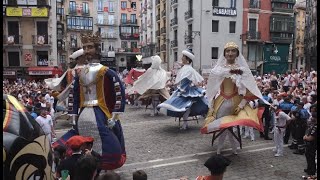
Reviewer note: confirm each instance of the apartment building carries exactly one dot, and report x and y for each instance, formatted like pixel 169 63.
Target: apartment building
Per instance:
pixel 205 27
pixel 298 51
pixel 129 23
pixel 267 34
pixel 28 48
pixel 162 28
pixel 147 30
pixel 108 25
pixel 311 37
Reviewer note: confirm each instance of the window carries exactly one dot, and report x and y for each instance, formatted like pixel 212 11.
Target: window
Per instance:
pixel 215 3
pixel 60 11
pixel 62 59
pixel 123 5
pixel 301 61
pixel 102 47
pixel 233 3
pixel 111 6
pixel 123 18
pixel 14 58
pixel 215 26
pixel 72 7
pixel 175 56
pixel 100 5
pixel 133 18
pixel 100 19
pixel 124 44
pixel 73 39
pixel 134 44
pixel 214 52
pixel 232 27
pixel 252 25
pixel 85 8
pixel 42 58
pixel 79 23
pixel 134 5
pixel 135 30
pixel 13 30
pixel 111 19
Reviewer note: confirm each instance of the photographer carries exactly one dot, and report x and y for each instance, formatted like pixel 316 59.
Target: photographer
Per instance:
pixel 311 146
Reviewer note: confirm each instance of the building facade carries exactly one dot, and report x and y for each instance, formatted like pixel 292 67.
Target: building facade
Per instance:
pixel 28 47
pixel 205 27
pixel 129 23
pixel 147 30
pixel 107 22
pixel 267 35
pixel 298 60
pixel 311 37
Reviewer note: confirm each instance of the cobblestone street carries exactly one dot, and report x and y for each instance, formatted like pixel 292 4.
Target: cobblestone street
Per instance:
pixel 157 146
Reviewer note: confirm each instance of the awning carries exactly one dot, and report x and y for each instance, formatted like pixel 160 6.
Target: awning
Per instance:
pixel 44 71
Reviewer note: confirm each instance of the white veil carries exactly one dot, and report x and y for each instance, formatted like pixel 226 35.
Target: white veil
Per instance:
pixel 219 72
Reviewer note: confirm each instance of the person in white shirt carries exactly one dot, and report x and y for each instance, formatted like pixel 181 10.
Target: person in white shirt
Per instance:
pixel 280 126
pixel 286 83
pixel 46 123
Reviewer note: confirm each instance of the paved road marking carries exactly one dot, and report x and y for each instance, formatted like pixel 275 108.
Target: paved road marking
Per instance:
pixel 146 166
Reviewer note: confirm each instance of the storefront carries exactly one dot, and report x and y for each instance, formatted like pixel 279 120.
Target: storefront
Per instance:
pixel 44 72
pixel 10 75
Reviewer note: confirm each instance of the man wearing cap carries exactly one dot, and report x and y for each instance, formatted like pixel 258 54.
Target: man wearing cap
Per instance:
pixel 75 143
pixel 217 165
pixel 188 99
pixel 151 84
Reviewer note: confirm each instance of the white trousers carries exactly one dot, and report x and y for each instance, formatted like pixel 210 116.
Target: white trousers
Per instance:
pixel 278 139
pixel 234 143
pixel 248 131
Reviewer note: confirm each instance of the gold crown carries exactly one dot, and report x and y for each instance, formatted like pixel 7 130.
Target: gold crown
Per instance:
pixel 89 37
pixel 231 45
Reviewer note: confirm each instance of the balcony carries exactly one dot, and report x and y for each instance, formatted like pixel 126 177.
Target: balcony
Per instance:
pixel 61 45
pixel 163 13
pixel 253 36
pixel 157 32
pixel 188 40
pixel 149 6
pixel 281 37
pixel 285 1
pixel 158 2
pixel 163 47
pixel 106 22
pixel 41 40
pixel 12 40
pixel 188 15
pixel 128 22
pixel 163 30
pixel 174 43
pixel 109 35
pixel 174 3
pixel 144 10
pixel 72 11
pixel 174 22
pixel 158 17
pixel 128 36
pixel 85 13
pixel 284 10
pixel 128 50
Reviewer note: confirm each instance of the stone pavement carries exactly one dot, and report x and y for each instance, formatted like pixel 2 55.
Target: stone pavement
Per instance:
pixel 157 146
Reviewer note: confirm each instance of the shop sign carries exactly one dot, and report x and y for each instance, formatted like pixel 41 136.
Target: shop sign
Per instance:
pixel 40 72
pixel 27 12
pixel 222 11
pixel 9 73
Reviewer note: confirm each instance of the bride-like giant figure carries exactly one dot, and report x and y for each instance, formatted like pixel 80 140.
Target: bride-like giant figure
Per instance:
pixel 231 86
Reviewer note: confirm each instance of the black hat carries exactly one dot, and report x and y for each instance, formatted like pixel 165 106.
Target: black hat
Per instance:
pixel 217 164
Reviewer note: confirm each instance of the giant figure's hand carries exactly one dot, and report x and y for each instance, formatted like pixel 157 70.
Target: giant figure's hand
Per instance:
pixel 237 110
